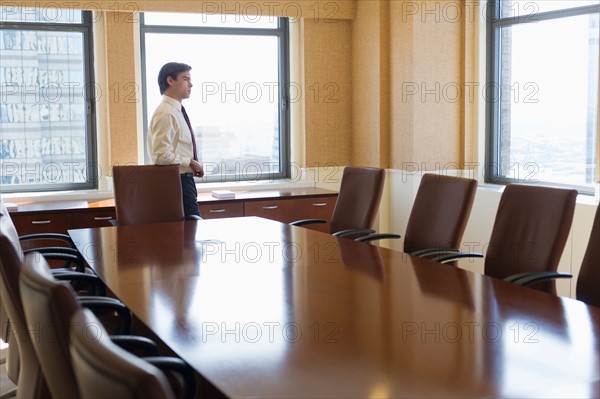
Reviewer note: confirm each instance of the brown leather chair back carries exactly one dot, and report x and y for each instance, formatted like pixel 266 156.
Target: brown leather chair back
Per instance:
pixel 51 304
pixel 530 231
pixel 30 380
pixel 147 194
pixel 588 282
pixel 440 212
pixel 358 200
pixel 103 370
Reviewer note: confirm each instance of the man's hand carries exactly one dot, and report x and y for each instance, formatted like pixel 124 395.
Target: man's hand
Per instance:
pixel 197 168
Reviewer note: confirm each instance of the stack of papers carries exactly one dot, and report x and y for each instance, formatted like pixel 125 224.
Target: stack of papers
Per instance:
pixel 223 194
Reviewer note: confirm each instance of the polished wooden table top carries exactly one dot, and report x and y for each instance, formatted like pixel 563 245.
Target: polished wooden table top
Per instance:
pixel 263 309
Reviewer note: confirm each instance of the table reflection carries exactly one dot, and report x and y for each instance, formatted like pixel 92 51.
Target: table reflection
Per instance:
pixel 311 315
pixel 364 258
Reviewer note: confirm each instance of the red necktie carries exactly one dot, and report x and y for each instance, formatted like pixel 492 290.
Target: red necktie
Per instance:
pixel 187 120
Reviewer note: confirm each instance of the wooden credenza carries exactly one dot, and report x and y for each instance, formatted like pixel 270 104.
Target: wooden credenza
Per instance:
pixel 284 205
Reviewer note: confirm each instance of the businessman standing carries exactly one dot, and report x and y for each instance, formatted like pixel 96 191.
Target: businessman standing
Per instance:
pixel 170 137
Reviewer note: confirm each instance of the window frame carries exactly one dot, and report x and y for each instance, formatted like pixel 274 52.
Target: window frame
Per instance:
pixel 493 81
pixel 282 32
pixel 86 28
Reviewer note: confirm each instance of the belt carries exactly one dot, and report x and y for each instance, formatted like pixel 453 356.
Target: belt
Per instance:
pixel 188 174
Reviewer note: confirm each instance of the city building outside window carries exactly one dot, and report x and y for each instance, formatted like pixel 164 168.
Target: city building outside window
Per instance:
pixel 47 95
pixel 542 92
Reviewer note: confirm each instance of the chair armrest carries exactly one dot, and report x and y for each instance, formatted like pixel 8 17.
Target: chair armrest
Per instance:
pixel 453 257
pixel 435 251
pixel 75 278
pixel 99 303
pixel 73 256
pixel 136 345
pixel 350 232
pixel 529 278
pixel 48 236
pixel 44 250
pixel 517 276
pixel 307 221
pixel 177 367
pixel 69 259
pixel 380 236
pixel 193 217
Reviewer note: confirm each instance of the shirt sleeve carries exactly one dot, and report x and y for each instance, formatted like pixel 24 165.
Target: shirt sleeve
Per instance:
pixel 162 138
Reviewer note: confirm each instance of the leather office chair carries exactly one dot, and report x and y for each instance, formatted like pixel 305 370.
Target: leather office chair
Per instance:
pixel 357 203
pixel 22 365
pixel 588 282
pixel 10 249
pixel 28 378
pixel 48 306
pixel 529 233
pixel 103 370
pixel 440 213
pixel 147 194
pixel 438 217
pixel 73 256
pixel 52 304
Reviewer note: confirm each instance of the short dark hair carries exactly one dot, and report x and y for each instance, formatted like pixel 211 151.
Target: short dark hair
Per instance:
pixel 172 69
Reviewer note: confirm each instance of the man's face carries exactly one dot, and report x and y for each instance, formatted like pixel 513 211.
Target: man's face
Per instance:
pixel 181 87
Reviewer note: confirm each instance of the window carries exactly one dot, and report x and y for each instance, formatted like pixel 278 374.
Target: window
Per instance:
pixel 47 139
pixel 542 92
pixel 238 107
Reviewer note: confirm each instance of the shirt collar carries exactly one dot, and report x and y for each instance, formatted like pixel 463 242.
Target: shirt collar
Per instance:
pixel 172 101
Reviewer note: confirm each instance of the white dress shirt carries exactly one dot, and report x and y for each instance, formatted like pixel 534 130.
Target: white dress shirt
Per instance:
pixel 169 139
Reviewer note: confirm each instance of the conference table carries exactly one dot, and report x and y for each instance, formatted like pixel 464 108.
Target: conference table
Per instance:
pixel 261 309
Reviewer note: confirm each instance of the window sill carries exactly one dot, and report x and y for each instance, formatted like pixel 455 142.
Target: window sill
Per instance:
pixel 93 195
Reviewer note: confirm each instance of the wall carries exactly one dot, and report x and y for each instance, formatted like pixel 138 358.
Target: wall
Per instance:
pixel 371 85
pixel 327 93
pixel 123 81
pixel 411 64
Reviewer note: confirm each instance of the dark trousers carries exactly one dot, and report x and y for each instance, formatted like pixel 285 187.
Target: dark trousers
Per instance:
pixel 190 195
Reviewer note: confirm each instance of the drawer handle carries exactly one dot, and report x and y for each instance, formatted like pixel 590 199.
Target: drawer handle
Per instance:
pixel 270 207
pixel 102 217
pixel 320 204
pixel 40 222
pixel 216 210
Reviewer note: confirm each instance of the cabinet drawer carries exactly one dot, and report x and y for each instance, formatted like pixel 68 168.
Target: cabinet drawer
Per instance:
pixel 281 210
pixel 93 218
pixel 319 208
pixel 316 208
pixel 42 223
pixel 221 210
